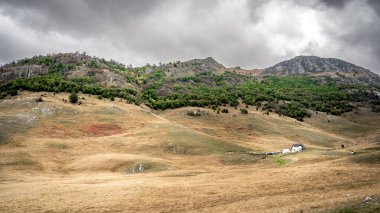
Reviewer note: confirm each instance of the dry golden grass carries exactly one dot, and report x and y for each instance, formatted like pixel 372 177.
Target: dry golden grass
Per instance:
pixel 82 157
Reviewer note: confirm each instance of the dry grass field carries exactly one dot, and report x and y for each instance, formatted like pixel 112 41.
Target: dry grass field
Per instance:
pixel 109 156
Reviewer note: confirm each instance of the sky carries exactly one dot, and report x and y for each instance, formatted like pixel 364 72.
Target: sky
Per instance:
pixel 249 34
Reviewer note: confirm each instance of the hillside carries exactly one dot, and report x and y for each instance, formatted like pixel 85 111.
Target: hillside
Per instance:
pixel 201 83
pixel 71 65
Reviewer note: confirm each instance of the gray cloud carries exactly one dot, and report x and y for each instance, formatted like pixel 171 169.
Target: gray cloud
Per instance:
pixel 335 3
pixel 251 34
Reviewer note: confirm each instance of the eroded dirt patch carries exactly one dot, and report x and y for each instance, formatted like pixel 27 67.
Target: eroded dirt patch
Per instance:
pixel 101 129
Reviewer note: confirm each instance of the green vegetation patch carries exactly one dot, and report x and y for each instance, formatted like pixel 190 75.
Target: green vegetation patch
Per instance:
pixel 20 159
pixel 375 148
pixel 185 142
pixel 287 96
pixel 57 145
pixel 280 161
pixel 367 158
pixel 12 125
pixel 358 208
pixel 237 159
pixel 58 83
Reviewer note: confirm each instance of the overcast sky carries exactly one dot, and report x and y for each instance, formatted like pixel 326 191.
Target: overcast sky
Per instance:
pixel 250 34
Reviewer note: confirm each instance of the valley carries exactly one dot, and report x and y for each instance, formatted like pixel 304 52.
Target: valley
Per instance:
pixel 107 155
pixel 161 106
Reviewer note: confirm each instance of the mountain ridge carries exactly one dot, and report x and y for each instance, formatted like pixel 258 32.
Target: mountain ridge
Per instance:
pixel 198 82
pixel 111 72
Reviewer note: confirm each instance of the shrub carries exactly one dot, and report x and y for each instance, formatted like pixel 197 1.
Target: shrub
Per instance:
pixel 194 112
pixel 39 99
pixel 73 98
pixel 2 96
pixel 224 110
pixel 13 93
pixel 244 111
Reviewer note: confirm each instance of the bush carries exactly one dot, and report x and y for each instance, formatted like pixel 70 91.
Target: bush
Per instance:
pixel 2 96
pixel 194 112
pixel 224 110
pixel 73 98
pixel 13 93
pixel 244 111
pixel 39 99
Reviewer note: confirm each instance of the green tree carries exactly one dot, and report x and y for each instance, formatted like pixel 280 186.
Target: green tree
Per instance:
pixel 73 98
pixel 13 92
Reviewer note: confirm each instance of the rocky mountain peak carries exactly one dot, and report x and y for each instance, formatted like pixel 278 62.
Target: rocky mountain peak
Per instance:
pixel 193 66
pixel 207 62
pixel 312 64
pixel 342 71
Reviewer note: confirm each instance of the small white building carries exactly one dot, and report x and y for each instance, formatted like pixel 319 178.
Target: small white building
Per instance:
pixel 284 151
pixel 297 147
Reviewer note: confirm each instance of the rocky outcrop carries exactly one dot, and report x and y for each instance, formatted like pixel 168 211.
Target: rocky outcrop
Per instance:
pixel 71 58
pixel 11 73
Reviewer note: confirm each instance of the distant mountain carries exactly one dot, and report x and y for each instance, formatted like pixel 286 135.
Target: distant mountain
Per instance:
pixel 317 66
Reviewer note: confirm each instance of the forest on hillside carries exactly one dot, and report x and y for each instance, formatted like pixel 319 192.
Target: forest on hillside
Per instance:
pixel 290 96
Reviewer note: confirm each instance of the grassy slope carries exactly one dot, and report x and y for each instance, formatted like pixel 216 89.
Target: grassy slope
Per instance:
pixel 94 143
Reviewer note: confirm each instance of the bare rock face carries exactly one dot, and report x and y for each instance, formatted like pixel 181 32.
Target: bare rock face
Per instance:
pixel 11 73
pixel 108 78
pixel 191 67
pixel 316 66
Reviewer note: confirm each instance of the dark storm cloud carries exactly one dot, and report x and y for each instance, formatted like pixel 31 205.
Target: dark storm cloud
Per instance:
pixel 78 16
pixel 356 30
pixel 375 4
pixel 243 33
pixel 335 3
